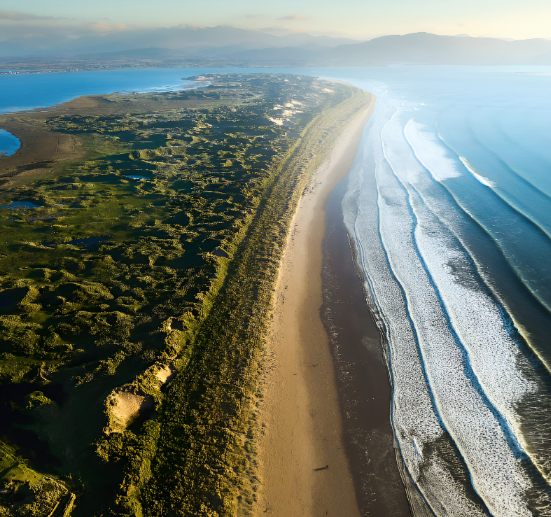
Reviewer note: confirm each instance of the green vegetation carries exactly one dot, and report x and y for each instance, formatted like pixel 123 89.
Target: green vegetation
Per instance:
pixel 135 298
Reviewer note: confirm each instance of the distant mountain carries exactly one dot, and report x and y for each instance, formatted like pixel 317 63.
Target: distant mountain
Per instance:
pixel 413 49
pixel 284 56
pixel 425 48
pixel 229 46
pixel 182 38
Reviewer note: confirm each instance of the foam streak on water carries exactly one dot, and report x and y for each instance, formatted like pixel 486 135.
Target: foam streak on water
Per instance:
pixel 460 375
pixel 417 425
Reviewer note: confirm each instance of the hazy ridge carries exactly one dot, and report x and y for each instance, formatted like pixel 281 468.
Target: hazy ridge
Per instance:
pixel 230 46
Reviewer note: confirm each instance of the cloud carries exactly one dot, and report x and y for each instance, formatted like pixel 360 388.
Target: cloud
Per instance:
pixel 191 26
pixel 103 27
pixel 56 31
pixel 280 31
pixel 295 17
pixel 12 15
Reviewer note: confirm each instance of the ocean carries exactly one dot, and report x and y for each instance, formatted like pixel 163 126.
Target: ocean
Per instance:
pixel 449 208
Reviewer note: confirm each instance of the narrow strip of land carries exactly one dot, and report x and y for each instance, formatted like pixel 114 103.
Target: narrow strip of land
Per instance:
pixel 191 203
pixel 304 467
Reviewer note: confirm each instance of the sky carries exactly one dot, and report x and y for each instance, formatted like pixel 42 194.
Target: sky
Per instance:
pixel 358 19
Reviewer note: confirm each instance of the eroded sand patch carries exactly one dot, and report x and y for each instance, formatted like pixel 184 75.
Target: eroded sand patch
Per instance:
pixel 129 406
pixel 125 406
pixel 128 403
pixel 165 373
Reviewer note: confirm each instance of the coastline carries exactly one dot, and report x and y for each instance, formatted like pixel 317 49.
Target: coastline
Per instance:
pixel 302 411
pixel 217 382
pixel 361 371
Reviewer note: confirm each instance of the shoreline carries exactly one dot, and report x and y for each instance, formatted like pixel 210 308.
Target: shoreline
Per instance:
pixel 217 352
pixel 362 376
pixel 304 461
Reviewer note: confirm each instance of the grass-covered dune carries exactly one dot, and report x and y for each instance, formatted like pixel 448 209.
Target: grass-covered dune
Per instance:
pixel 137 268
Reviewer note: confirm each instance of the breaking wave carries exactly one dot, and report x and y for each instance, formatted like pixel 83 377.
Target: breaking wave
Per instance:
pixel 470 373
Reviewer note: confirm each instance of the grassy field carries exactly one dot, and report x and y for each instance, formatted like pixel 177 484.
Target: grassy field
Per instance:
pixel 140 245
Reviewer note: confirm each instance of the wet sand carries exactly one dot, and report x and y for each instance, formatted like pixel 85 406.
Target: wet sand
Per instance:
pixel 361 374
pixel 327 444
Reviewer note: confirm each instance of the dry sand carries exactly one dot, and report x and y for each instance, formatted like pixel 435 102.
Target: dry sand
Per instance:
pixel 303 427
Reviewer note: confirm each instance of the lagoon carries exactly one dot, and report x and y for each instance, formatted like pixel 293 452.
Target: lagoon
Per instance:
pixel 9 144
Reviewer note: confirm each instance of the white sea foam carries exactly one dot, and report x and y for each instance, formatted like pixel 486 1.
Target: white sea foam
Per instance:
pixel 476 174
pixel 493 213
pixel 478 435
pixel 429 153
pixel 474 377
pixel 505 375
pixel 492 356
pixel 415 423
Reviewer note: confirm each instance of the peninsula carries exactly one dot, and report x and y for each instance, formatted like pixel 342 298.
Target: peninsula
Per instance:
pixel 142 241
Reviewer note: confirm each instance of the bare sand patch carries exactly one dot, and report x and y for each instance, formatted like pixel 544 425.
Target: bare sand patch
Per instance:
pixel 124 407
pixel 128 407
pixel 165 374
pixel 128 403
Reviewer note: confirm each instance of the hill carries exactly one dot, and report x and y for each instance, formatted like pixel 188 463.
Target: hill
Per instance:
pixel 425 48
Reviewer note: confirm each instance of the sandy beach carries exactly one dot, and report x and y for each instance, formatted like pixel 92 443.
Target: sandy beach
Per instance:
pixel 305 469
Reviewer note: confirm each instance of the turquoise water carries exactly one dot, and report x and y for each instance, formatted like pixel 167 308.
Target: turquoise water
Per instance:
pixel 449 205
pixel 29 91
pixel 20 205
pixel 8 143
